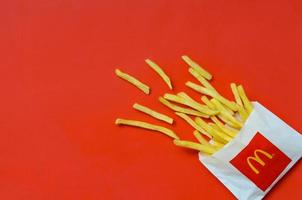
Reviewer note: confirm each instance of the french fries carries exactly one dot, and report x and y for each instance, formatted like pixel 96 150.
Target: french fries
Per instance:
pixel 148 126
pixel 193 124
pixel 181 109
pixel 160 72
pixel 197 67
pixel 246 102
pixel 143 87
pixel 212 131
pixel 193 145
pixel 153 113
pixel 212 93
pixel 190 103
pixel 201 79
pixel 225 118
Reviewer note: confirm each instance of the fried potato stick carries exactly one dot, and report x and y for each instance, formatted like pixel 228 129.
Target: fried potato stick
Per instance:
pixel 201 79
pixel 153 113
pixel 206 91
pixel 146 125
pixel 211 130
pixel 193 124
pixel 160 72
pixel 181 109
pixel 181 100
pixel 246 102
pixel 197 67
pixel 193 145
pixel 227 115
pixel 133 81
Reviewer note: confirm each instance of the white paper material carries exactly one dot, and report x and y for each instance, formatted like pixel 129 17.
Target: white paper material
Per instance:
pixel 272 128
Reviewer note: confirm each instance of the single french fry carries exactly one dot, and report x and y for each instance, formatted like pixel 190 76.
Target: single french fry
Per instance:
pixel 246 102
pixel 186 102
pixel 201 79
pixel 243 113
pixel 160 72
pixel 206 91
pixel 193 124
pixel 236 94
pixel 153 113
pixel 197 67
pixel 227 115
pixel 181 109
pixel 221 126
pixel 146 125
pixel 218 144
pixel 206 101
pixel 199 137
pixel 133 81
pixel 193 145
pixel 212 131
pixel 196 105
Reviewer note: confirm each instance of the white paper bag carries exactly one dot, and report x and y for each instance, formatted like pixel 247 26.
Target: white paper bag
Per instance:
pixel 258 157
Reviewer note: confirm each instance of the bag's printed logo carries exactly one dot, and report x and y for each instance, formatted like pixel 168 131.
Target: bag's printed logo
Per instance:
pixel 261 161
pixel 257 159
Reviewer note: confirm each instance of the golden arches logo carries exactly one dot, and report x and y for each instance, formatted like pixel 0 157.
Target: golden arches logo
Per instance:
pixel 257 159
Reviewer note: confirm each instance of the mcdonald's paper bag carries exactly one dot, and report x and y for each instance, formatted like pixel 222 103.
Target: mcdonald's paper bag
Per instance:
pixel 258 157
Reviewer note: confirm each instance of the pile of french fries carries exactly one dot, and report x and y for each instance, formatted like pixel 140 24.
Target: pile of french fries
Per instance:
pixel 216 120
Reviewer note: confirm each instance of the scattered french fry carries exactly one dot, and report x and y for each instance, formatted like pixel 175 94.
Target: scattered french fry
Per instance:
pixel 181 109
pixel 196 105
pixel 201 79
pixel 193 145
pixel 146 125
pixel 206 91
pixel 153 113
pixel 193 124
pixel 133 81
pixel 181 100
pixel 212 131
pixel 160 72
pixel 227 115
pixel 197 67
pixel 246 102
pixel 208 102
pixel 236 94
pixel 220 125
pixel 200 139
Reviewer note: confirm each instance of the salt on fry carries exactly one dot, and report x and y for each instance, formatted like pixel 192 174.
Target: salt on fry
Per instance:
pixel 193 145
pixel 146 125
pixel 197 67
pixel 133 81
pixel 246 102
pixel 153 113
pixel 193 124
pixel 181 109
pixel 206 91
pixel 160 72
pixel 201 79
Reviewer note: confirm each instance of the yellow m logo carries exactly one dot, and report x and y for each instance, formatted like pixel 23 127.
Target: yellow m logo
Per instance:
pixel 257 159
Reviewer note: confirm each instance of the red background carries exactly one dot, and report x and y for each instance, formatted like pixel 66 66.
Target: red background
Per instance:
pixel 60 97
